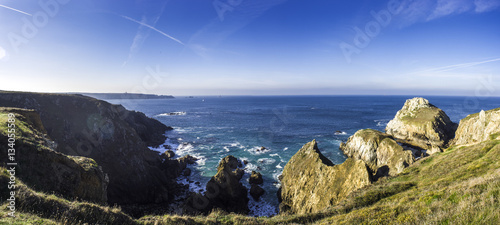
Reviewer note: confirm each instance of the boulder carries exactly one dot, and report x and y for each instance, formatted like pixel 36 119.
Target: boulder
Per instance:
pixel 255 178
pixel 169 154
pixel 311 183
pixel 478 127
pixel 421 124
pixel 378 150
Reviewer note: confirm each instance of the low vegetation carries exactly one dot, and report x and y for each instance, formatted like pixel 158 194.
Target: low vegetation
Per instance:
pixel 458 186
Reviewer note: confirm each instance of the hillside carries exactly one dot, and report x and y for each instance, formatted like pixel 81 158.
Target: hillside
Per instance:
pixel 459 184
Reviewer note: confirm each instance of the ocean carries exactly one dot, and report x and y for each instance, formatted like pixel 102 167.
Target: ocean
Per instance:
pixel 213 127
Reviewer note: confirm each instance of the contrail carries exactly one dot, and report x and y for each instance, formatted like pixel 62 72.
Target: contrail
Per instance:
pixel 153 28
pixel 19 11
pixel 457 66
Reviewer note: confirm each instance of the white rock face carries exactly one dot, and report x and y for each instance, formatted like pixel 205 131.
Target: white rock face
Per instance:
pixel 478 127
pixel 421 124
pixel 377 149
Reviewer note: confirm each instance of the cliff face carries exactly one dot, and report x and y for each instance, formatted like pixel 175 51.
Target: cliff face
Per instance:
pixel 379 151
pixel 310 182
pixel 115 138
pixel 421 124
pixel 44 169
pixel 479 127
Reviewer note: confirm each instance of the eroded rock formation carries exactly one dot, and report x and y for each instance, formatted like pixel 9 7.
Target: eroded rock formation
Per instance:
pixel 422 124
pixel 310 182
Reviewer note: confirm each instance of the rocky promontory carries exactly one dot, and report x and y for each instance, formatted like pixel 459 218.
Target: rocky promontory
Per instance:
pixel 479 127
pixel 311 183
pixel 116 138
pixel 379 151
pixel 422 124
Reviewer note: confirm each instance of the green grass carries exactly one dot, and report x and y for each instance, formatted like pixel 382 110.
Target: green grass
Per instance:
pixel 458 186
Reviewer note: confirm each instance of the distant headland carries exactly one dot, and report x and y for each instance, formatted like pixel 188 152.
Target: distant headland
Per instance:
pixel 125 96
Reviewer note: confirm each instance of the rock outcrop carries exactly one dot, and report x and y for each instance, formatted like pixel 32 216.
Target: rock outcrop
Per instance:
pixel 422 124
pixel 379 151
pixel 224 191
pixel 116 138
pixel 255 178
pixel 311 183
pixel 42 168
pixel 479 127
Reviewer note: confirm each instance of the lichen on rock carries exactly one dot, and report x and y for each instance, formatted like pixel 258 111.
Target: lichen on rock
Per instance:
pixel 311 182
pixel 478 127
pixel 378 150
pixel 421 124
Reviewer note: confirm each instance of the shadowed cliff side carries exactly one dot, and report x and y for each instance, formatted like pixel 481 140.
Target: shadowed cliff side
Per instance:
pixel 44 169
pixel 114 137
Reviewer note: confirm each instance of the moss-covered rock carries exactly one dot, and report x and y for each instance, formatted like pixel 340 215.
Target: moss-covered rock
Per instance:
pixel 422 124
pixel 479 127
pixel 42 168
pixel 311 183
pixel 379 151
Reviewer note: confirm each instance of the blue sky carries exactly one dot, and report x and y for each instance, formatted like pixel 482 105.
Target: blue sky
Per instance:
pixel 251 47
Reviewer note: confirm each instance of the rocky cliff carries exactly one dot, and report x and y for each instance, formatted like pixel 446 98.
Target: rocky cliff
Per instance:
pixel 422 124
pixel 479 127
pixel 379 151
pixel 311 183
pixel 114 137
pixel 224 191
pixel 44 169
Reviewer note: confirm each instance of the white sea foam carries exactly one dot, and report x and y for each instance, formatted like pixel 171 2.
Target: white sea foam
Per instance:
pixel 172 114
pixel 340 133
pixel 279 166
pixel 168 145
pixel 257 150
pixel 286 148
pixel 266 161
pixel 193 187
pixel 381 123
pixel 274 154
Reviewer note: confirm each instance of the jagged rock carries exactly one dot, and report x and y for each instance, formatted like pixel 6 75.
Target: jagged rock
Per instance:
pixel 478 127
pixel 377 150
pixel 311 182
pixel 43 169
pixel 255 178
pixel 223 191
pixel 421 124
pixel 170 154
pixel 116 138
pixel 256 192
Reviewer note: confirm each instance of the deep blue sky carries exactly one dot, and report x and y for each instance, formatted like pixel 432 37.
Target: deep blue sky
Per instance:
pixel 257 47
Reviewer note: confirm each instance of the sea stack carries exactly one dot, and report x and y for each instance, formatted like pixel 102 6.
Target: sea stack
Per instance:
pixel 423 125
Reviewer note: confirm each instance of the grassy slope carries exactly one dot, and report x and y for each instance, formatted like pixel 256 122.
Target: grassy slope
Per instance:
pixel 458 186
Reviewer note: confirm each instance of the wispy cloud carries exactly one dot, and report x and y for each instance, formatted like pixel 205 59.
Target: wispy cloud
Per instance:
pixel 17 10
pixel 153 28
pixel 454 67
pixel 414 11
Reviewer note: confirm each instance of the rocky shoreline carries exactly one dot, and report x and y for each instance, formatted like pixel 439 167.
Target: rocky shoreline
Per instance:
pixel 98 152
